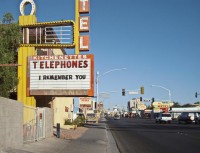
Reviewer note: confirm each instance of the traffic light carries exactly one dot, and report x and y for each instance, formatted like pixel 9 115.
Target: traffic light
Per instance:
pixel 153 99
pixel 95 105
pixel 142 90
pixel 140 98
pixel 123 92
pixel 196 94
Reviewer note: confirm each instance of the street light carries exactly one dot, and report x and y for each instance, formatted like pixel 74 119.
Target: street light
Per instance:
pixel 164 89
pixel 98 76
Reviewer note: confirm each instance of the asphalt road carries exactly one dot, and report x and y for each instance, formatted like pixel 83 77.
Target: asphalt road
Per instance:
pixel 145 136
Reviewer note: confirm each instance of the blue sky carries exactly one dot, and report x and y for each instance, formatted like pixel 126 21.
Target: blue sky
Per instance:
pixel 158 41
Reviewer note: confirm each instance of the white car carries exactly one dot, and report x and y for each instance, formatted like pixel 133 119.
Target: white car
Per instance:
pixel 164 117
pixel 116 116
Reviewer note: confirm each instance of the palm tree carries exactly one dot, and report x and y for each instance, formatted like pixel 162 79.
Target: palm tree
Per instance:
pixel 7 18
pixel 176 104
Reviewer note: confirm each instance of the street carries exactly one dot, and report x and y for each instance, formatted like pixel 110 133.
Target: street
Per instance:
pixel 134 135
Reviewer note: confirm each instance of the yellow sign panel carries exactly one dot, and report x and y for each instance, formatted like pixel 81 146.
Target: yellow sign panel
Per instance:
pixel 162 104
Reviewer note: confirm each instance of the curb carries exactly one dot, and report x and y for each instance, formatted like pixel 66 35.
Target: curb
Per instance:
pixel 112 146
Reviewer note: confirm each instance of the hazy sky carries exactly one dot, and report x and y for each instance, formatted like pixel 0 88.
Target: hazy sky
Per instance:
pixel 158 41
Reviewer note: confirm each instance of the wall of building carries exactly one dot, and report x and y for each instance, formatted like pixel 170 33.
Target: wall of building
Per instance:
pixel 11 123
pixel 44 101
pixel 60 113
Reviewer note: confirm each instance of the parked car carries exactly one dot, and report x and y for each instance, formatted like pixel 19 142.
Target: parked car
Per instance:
pixel 188 117
pixel 164 117
pixel 197 119
pixel 91 118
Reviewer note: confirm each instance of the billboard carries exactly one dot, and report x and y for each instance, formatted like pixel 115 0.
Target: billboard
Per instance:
pixel 61 75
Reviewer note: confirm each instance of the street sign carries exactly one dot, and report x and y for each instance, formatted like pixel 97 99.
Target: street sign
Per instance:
pixel 147 100
pixel 133 92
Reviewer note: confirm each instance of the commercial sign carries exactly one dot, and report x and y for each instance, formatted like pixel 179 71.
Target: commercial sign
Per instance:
pixel 85 102
pixel 84 25
pixel 132 103
pixel 162 104
pixel 67 75
pixel 136 104
pixel 84 6
pixel 141 106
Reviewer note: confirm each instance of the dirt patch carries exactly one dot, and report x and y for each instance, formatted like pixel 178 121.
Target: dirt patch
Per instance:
pixel 72 133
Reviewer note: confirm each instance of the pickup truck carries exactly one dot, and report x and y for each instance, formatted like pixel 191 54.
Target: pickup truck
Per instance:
pixel 91 117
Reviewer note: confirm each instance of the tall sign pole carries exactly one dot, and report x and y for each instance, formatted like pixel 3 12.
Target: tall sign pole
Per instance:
pixel 77 27
pixel 23 53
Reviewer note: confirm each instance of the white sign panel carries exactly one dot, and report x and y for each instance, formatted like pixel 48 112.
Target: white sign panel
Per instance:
pixel 61 72
pixel 133 92
pixel 132 103
pixel 85 102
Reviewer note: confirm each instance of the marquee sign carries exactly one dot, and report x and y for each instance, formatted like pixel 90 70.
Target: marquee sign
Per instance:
pixel 66 75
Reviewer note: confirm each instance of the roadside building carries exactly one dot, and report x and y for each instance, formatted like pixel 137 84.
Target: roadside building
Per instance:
pixel 135 106
pixel 177 111
pixel 63 110
pixel 159 107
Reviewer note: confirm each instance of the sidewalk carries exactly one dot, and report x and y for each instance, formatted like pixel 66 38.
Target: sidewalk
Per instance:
pixel 92 138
